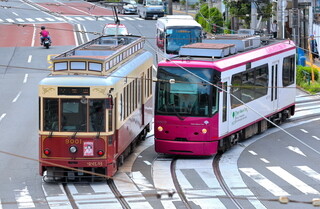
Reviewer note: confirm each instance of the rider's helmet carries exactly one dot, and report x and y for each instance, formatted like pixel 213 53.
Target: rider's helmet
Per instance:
pixel 43 27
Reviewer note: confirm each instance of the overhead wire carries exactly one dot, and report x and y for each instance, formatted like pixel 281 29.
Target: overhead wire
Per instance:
pixel 217 86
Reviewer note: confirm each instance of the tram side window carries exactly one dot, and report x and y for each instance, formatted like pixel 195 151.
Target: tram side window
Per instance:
pixel 288 71
pixel 97 115
pixel 73 115
pixel 51 117
pixel 250 85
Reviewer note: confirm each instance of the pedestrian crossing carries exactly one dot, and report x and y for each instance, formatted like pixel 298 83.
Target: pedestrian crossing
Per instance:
pixel 201 188
pixel 65 19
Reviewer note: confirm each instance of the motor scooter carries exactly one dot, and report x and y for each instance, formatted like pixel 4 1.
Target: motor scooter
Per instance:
pixel 46 43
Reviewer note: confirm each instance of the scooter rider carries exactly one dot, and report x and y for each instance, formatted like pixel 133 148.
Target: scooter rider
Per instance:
pixel 44 34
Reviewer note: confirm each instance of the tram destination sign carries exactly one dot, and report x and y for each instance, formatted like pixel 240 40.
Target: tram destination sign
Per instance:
pixel 74 91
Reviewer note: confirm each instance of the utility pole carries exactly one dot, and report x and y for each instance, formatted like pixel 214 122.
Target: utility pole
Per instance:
pixel 169 7
pixel 295 23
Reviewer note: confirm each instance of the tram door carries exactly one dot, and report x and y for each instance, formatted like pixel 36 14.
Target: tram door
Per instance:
pixel 142 95
pixel 224 103
pixel 274 85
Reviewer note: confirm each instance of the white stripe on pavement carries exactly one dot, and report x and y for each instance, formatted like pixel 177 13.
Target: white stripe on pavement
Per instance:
pixel 309 172
pixel 264 182
pixel 297 183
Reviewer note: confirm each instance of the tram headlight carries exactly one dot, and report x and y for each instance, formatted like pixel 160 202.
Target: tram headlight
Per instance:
pixel 160 128
pixel 100 152
pixel 204 131
pixel 73 149
pixel 46 152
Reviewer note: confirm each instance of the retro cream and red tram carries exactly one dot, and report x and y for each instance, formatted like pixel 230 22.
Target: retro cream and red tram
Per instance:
pixel 94 107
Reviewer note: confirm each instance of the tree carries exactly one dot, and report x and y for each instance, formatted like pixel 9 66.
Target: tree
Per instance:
pixel 241 9
pixel 210 19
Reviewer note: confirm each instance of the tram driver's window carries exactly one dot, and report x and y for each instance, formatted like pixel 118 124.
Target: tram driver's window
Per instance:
pixel 74 115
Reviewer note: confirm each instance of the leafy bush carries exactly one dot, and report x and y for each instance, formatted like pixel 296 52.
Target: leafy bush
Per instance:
pixel 304 79
pixel 210 19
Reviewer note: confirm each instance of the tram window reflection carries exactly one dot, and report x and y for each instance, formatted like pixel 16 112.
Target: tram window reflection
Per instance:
pixel 73 115
pixel 51 118
pixel 97 115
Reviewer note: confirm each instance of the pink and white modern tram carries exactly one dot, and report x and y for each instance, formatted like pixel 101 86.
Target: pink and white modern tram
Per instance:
pixel 214 94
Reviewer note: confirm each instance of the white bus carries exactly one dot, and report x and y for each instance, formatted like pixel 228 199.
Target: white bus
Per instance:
pixel 174 31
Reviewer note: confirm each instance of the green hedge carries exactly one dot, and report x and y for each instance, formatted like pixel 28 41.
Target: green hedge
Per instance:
pixel 303 79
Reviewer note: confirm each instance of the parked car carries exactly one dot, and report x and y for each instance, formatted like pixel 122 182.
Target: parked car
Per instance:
pixel 128 7
pixel 115 29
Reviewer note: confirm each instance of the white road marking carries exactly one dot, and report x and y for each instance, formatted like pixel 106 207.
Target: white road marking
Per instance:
pixel 34 35
pixel 264 182
pixel 30 19
pixel 9 20
pixel 20 20
pixel 50 19
pixel 303 130
pixel 23 198
pixel 25 77
pixel 57 201
pixel 297 183
pixel 296 150
pixel 264 160
pixel 141 181
pixel 317 138
pixel 79 18
pixel 15 14
pixel 309 172
pixel 129 190
pixel 252 152
pixel 29 58
pixel 40 19
pixel 17 97
pixel 147 162
pixel 2 116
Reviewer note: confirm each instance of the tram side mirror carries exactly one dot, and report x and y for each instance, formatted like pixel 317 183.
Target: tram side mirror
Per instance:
pixel 109 103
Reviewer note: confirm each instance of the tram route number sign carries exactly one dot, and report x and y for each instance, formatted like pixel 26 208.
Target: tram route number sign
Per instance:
pixel 74 91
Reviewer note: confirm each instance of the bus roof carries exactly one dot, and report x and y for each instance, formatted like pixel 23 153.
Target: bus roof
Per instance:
pixel 171 21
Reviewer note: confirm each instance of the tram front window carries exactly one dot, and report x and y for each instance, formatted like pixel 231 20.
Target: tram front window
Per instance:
pixel 74 115
pixel 177 37
pixel 189 95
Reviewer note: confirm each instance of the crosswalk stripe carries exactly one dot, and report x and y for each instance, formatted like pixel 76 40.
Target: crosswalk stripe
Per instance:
pixel 297 183
pixel 60 18
pixel 264 182
pixel 69 18
pixel 141 181
pixel 128 18
pixel 128 189
pixel 79 18
pixel 89 18
pixel 9 20
pixel 20 20
pixel 50 19
pixel 30 19
pixel 40 19
pixel 108 18
pixel 23 198
pixel 309 172
pixel 1 20
pixel 57 199
pixel 0 204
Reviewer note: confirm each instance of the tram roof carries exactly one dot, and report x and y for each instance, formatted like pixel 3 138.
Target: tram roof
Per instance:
pixel 172 21
pixel 230 61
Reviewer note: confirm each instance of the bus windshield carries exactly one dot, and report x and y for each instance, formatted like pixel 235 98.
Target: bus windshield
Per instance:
pixel 154 2
pixel 177 37
pixel 188 95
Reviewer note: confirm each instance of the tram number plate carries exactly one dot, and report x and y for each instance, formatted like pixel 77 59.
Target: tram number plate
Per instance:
pixel 94 164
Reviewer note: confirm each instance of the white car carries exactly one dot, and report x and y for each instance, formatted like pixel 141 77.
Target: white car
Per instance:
pixel 115 29
pixel 128 7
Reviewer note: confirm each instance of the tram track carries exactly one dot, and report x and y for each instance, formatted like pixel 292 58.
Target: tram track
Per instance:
pixel 118 195
pixel 224 186
pixel 177 185
pixel 69 196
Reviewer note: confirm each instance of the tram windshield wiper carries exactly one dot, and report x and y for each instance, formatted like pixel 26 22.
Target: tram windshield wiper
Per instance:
pixel 78 129
pixel 174 110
